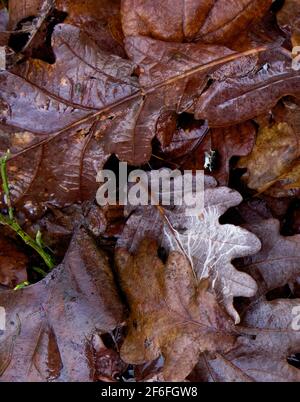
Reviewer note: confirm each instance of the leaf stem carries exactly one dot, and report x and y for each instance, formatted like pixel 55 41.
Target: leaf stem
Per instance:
pixel 11 222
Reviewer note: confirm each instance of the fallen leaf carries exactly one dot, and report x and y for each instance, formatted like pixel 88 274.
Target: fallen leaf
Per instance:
pixel 50 323
pixel 13 264
pixel 289 19
pixel 207 244
pixel 185 20
pixel 105 363
pixel 273 166
pixel 100 20
pixel 261 352
pixel 92 107
pixel 175 316
pixel 242 98
pixel 227 142
pixel 51 98
pixel 277 263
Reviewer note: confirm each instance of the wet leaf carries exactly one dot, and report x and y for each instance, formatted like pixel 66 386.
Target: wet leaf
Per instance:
pixel 289 19
pixel 184 20
pixel 50 323
pixel 101 20
pixel 51 99
pixel 93 106
pixel 277 263
pixel 238 99
pixel 261 353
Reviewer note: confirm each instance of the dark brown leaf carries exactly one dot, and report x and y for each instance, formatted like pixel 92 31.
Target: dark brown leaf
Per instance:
pixel 289 19
pixel 13 264
pixel 238 99
pixel 51 98
pixel 184 20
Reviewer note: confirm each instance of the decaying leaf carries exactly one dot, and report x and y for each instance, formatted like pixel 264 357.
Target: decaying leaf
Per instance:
pixel 261 352
pixel 184 20
pixel 226 142
pixel 273 165
pixel 89 104
pixel 238 99
pixel 106 364
pixel 51 99
pixel 208 245
pixel 289 19
pixel 100 20
pixel 182 84
pixel 49 324
pixel 278 262
pixel 175 316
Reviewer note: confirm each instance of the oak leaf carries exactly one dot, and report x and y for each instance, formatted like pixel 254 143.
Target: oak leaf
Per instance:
pixel 273 165
pixel 244 97
pixel 277 263
pixel 261 352
pixel 50 324
pixel 90 104
pixel 185 20
pixel 170 313
pixel 207 244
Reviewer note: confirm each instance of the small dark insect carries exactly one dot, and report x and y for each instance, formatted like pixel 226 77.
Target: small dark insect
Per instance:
pixel 210 161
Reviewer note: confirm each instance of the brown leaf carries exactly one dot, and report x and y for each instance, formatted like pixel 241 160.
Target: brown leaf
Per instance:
pixel 22 9
pixel 175 316
pixel 185 141
pixel 261 353
pixel 207 244
pixel 273 165
pixel 226 142
pixel 13 264
pixel 89 104
pixel 278 261
pixel 184 20
pixel 50 323
pixel 106 364
pixel 100 20
pixel 225 95
pixel 51 99
pixel 289 19
pixel 244 97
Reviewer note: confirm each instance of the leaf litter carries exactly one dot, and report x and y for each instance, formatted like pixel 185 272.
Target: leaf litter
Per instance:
pixel 198 85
